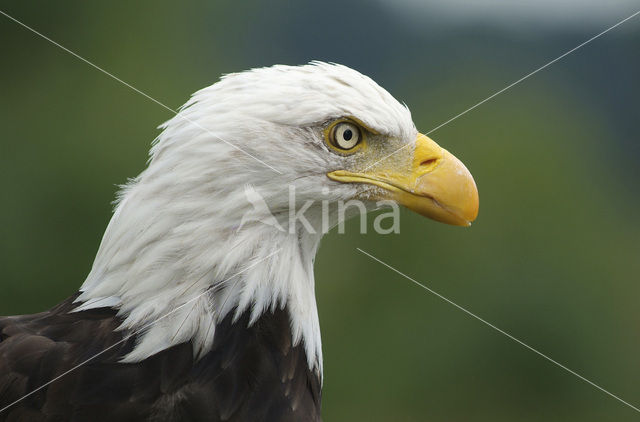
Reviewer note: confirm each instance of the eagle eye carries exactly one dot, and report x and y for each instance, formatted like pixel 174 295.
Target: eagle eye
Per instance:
pixel 345 135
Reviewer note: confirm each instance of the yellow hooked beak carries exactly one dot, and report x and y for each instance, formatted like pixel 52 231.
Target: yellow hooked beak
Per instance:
pixel 437 185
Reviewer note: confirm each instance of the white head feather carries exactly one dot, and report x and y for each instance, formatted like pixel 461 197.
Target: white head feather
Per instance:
pixel 174 238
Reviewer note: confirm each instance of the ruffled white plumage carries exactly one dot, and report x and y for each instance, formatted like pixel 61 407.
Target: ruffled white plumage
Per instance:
pixel 174 238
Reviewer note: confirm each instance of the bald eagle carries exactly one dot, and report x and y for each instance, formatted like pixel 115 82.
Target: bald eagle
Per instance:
pixel 191 311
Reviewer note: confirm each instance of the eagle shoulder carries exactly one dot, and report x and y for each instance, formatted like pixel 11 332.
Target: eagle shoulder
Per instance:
pixel 252 373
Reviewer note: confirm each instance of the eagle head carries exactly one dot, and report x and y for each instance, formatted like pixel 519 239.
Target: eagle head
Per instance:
pixel 261 141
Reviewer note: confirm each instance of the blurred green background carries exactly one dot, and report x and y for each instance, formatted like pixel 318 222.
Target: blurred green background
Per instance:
pixel 553 258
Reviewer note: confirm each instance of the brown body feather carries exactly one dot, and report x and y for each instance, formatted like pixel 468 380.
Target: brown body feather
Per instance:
pixel 251 374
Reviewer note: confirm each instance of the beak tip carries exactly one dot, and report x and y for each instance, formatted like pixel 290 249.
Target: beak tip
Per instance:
pixel 454 190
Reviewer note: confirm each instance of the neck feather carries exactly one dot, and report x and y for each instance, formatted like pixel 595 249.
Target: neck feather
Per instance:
pixel 175 268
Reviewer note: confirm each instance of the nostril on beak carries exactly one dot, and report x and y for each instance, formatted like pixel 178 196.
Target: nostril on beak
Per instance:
pixel 428 163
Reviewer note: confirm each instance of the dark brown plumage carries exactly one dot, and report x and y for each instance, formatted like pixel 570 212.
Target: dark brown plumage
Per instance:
pixel 256 376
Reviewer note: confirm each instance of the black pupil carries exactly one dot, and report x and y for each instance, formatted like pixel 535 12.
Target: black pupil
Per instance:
pixel 347 135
